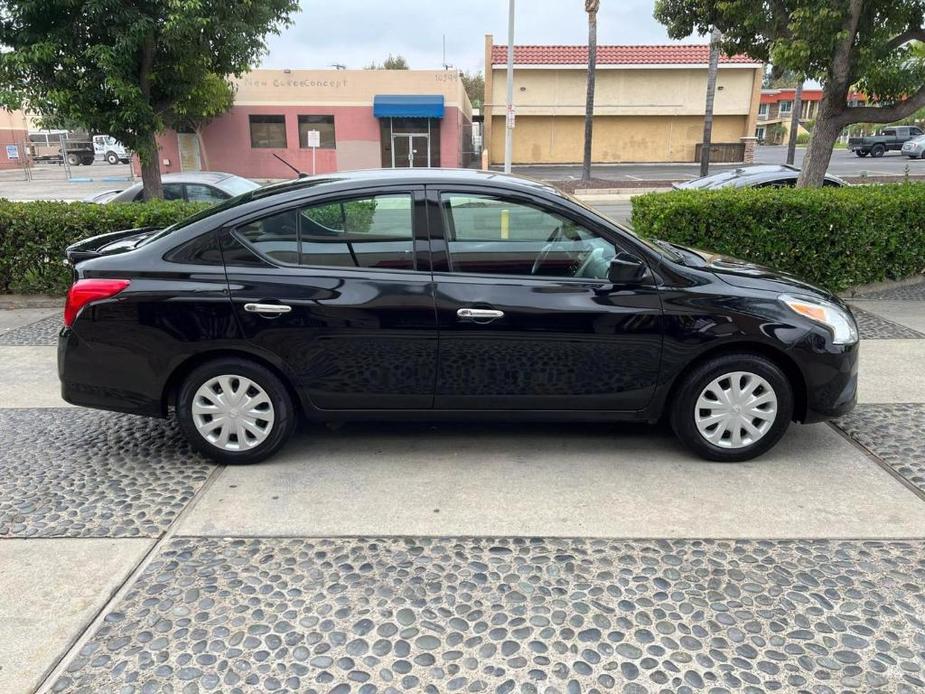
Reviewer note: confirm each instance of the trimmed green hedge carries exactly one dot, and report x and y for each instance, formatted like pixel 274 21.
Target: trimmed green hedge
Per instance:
pixel 833 237
pixel 33 236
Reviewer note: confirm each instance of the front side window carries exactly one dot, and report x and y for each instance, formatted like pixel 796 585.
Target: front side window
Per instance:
pixel 268 131
pixel 370 232
pixel 325 127
pixel 489 235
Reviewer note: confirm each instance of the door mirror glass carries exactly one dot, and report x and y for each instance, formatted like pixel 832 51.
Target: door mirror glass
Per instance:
pixel 626 268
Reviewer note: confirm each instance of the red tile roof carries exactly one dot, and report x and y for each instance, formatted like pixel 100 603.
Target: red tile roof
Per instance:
pixel 674 54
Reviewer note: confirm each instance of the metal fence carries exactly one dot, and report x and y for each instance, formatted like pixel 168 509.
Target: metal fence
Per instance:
pixel 723 152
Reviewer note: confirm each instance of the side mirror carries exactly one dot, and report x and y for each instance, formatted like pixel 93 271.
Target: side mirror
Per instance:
pixel 626 268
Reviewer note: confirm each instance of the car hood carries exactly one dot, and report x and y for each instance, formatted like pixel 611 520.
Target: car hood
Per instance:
pixel 107 244
pixel 748 275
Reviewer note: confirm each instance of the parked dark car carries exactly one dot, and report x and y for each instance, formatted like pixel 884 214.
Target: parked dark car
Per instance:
pixel 442 294
pixel 888 139
pixel 194 186
pixel 757 176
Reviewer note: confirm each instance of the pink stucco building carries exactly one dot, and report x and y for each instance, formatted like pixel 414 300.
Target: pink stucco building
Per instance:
pixel 362 119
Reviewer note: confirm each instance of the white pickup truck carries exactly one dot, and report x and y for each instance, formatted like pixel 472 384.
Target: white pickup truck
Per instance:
pixel 110 150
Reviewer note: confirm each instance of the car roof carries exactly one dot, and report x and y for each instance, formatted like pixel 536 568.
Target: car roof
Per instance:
pixel 745 176
pixel 422 176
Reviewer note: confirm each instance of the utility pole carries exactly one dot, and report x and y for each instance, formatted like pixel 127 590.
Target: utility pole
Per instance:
pixel 715 39
pixel 509 114
pixel 795 122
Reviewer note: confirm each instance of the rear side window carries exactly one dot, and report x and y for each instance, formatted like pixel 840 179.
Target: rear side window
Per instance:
pixel 198 192
pixel 371 232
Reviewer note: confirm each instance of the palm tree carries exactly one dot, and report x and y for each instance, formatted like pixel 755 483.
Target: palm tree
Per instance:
pixel 591 7
pixel 715 39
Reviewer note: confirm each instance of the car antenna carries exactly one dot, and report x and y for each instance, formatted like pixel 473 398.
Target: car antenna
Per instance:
pixel 300 174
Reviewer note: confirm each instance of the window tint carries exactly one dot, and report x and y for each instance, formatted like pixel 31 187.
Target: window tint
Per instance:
pixel 268 131
pixel 323 124
pixel 373 232
pixel 197 192
pixel 490 235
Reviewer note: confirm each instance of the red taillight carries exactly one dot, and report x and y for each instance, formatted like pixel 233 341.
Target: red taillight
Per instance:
pixel 82 292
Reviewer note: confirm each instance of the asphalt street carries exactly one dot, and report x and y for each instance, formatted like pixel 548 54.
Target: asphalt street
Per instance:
pixel 844 163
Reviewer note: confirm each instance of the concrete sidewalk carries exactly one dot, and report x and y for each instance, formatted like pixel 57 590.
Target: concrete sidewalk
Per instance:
pixel 570 557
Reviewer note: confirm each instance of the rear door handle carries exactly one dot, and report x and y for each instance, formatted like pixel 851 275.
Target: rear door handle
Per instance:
pixel 479 314
pixel 267 309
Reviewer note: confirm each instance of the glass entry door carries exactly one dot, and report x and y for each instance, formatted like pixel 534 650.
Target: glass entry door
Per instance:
pixel 410 150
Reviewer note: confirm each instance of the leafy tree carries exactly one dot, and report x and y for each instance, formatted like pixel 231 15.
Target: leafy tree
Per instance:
pixel 591 7
pixel 844 44
pixel 211 98
pixel 129 68
pixel 474 83
pixel 393 62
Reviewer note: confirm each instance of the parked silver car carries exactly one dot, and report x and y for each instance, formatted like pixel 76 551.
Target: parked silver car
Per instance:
pixel 758 176
pixel 914 148
pixel 195 186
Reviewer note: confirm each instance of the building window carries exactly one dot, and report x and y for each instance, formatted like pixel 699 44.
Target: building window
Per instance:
pixel 323 124
pixel 786 106
pixel 268 131
pixel 759 133
pixel 763 111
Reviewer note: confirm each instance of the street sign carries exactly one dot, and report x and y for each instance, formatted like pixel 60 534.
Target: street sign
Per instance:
pixel 314 138
pixel 510 117
pixel 12 152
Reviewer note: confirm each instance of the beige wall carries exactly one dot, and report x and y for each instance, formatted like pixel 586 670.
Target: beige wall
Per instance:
pixel 560 139
pixel 635 92
pixel 347 87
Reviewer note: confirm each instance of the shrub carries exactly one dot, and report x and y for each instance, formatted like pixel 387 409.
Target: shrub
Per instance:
pixel 33 236
pixel 803 138
pixel 833 237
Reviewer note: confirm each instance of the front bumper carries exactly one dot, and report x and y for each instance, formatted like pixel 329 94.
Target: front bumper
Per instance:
pixel 831 376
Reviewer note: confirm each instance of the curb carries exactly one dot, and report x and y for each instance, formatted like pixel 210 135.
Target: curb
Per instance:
pixel 880 286
pixel 14 301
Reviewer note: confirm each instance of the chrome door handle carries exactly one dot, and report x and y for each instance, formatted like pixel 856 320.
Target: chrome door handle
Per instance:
pixel 479 314
pixel 269 309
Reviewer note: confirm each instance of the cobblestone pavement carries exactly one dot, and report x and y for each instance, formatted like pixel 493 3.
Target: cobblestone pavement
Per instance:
pixel 874 327
pixel 43 332
pixel 894 433
pixel 500 615
pixel 81 473
pixel 909 292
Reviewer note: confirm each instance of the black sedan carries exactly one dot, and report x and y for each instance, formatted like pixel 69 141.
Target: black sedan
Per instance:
pixel 758 176
pixel 442 294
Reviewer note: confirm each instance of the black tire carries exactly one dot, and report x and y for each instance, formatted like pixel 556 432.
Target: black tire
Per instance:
pixel 923 154
pixel 860 153
pixel 682 409
pixel 283 410
pixel 112 158
pixel 73 160
pixel 87 161
pixel 877 151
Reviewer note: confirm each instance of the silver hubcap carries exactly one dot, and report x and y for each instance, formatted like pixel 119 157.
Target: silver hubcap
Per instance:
pixel 232 412
pixel 736 409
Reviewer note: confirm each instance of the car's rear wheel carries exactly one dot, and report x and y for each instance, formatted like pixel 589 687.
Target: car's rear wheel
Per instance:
pixel 235 411
pixel 860 153
pixel 733 407
pixel 877 151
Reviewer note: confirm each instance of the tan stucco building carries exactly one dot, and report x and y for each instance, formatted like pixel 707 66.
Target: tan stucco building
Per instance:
pixel 649 102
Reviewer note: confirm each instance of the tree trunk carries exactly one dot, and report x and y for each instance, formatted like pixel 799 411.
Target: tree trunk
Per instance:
pixel 589 101
pixel 715 39
pixel 203 159
pixel 795 123
pixel 151 169
pixel 821 143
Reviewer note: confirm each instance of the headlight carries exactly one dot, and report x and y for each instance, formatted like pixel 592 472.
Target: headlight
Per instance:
pixel 840 322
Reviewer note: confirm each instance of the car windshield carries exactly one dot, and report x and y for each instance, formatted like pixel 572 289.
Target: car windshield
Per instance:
pixel 235 185
pixel 662 248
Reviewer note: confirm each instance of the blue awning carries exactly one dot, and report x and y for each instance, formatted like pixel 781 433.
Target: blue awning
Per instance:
pixel 408 106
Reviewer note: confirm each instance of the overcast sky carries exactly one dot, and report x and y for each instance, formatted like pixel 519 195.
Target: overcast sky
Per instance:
pixel 355 32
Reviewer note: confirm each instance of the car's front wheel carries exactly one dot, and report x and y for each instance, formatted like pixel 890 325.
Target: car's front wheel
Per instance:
pixel 733 407
pixel 235 411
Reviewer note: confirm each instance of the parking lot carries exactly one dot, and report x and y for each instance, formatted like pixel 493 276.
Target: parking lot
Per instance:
pixel 450 557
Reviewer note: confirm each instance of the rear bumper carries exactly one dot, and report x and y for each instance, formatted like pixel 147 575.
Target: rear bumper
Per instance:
pixel 90 379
